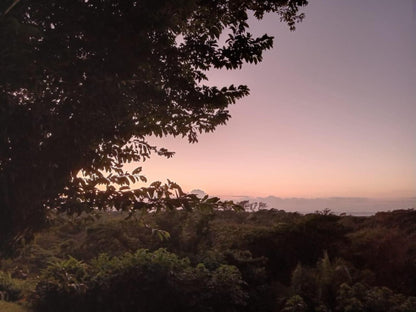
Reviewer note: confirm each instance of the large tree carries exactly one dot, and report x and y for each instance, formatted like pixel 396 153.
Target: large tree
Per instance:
pixel 84 83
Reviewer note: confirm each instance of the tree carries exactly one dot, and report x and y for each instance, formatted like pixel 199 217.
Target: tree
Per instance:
pixel 84 83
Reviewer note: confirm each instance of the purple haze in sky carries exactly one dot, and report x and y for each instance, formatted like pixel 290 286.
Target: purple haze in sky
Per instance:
pixel 332 111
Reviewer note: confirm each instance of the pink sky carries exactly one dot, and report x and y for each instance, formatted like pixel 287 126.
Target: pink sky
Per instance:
pixel 332 111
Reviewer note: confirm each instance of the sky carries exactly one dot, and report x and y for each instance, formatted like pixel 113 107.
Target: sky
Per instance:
pixel 332 111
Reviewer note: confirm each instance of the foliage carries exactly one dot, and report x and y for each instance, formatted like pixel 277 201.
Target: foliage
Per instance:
pixel 69 274
pixel 386 245
pixel 85 83
pixel 358 298
pixel 295 304
pixel 260 261
pixel 330 287
pixel 9 288
pixel 136 281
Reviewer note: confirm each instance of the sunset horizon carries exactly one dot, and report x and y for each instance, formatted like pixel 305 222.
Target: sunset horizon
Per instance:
pixel 330 112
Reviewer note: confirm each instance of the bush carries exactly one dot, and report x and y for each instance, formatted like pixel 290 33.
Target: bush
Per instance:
pixel 136 282
pixel 9 288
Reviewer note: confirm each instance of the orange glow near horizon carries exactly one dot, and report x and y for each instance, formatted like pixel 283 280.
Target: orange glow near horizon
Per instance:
pixel 331 112
pixel 228 174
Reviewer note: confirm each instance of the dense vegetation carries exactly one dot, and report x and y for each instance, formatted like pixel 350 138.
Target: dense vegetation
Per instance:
pixel 83 84
pixel 217 261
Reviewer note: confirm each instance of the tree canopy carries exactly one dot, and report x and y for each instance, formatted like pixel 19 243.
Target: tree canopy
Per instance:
pixel 84 83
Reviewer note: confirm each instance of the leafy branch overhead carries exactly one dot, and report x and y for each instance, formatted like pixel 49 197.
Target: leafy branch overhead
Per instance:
pixel 84 83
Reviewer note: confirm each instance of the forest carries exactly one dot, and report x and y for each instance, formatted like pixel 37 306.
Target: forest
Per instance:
pixel 85 85
pixel 216 260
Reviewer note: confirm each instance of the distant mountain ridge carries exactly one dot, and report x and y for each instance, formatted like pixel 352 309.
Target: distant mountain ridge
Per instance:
pixel 358 206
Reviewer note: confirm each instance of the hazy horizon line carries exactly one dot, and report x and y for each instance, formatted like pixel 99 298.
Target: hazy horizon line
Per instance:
pixel 319 197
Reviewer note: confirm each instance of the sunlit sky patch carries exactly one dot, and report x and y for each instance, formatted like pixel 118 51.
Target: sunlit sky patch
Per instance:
pixel 332 111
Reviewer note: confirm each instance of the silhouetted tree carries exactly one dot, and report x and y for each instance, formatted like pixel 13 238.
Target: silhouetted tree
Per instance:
pixel 83 83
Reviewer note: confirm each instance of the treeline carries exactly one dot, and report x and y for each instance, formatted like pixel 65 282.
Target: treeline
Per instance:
pixel 207 260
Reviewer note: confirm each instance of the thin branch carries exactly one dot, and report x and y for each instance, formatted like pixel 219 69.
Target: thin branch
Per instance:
pixel 11 7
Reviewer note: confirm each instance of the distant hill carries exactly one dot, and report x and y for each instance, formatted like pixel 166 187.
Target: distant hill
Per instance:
pixel 358 206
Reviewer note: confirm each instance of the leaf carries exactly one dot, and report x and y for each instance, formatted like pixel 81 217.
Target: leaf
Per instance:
pixel 156 184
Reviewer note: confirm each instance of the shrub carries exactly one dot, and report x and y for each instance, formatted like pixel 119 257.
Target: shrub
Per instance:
pixel 9 288
pixel 136 282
